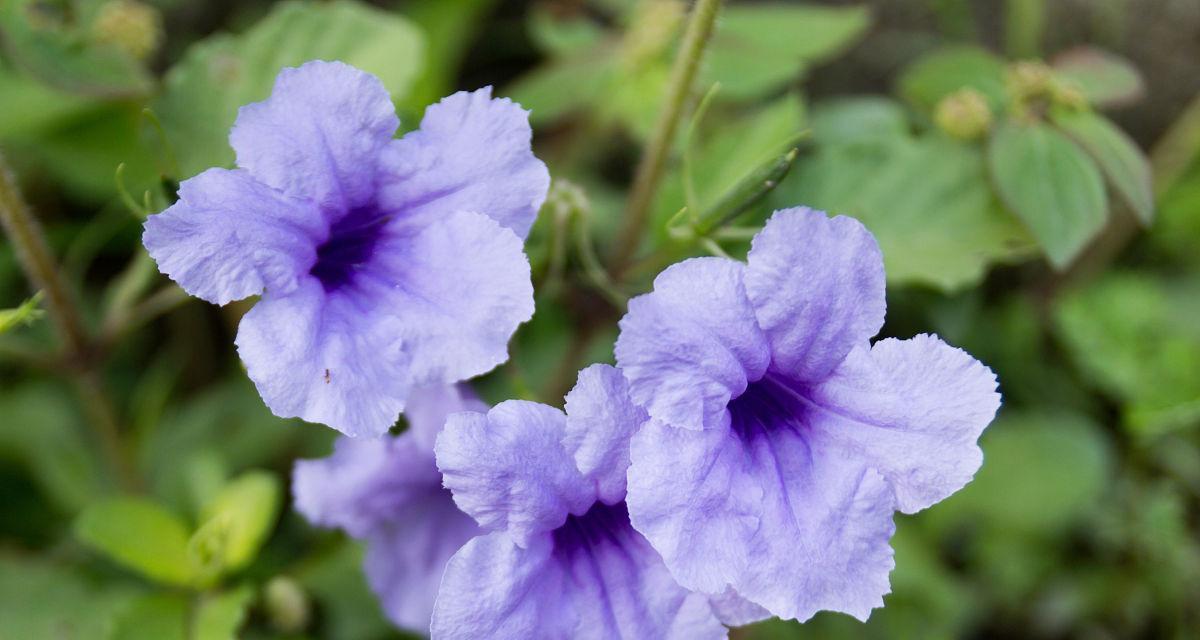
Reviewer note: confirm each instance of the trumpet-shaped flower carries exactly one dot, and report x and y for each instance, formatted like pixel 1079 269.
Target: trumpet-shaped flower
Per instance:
pixel 780 441
pixel 558 557
pixel 388 492
pixel 383 264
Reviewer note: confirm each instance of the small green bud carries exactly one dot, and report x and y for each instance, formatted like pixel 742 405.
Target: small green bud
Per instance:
pixel 1029 80
pixel 286 604
pixel 129 25
pixel 964 114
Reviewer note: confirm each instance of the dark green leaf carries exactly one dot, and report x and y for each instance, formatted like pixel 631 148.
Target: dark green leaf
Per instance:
pixel 1104 78
pixel 1051 184
pixel 561 87
pixel 203 92
pixel 843 121
pixel 153 617
pixel 1127 168
pixel 140 535
pixel 40 599
pixel 565 35
pixel 941 73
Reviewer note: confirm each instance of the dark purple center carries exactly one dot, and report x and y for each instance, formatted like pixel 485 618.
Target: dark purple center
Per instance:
pixel 602 525
pixel 768 404
pixel 351 245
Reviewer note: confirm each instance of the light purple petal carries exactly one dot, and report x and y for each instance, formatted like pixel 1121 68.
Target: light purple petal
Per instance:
pixel 230 237
pixel 595 578
pixel 508 469
pixel 694 495
pixel 472 153
pixel 494 588
pixel 459 285
pixel 600 420
pixel 798 530
pixel 428 408
pixel 319 135
pixel 365 484
pixel 327 359
pixel 817 286
pixel 406 558
pixel 914 410
pixel 691 344
pixel 735 611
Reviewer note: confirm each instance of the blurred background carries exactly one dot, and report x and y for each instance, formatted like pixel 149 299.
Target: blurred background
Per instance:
pixel 1031 169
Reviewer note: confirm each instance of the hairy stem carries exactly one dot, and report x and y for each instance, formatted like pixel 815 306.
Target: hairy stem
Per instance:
pixel 654 159
pixel 29 244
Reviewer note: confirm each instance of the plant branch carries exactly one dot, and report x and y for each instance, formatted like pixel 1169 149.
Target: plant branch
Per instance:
pixel 650 169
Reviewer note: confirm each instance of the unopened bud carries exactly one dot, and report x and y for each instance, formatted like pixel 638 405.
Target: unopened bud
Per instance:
pixel 129 25
pixel 964 114
pixel 286 604
pixel 1029 80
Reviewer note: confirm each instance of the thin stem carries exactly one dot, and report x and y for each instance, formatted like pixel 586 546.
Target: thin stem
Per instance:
pixel 654 159
pixel 29 244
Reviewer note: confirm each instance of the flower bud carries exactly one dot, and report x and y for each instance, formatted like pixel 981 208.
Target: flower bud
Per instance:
pixel 286 604
pixel 964 114
pixel 129 25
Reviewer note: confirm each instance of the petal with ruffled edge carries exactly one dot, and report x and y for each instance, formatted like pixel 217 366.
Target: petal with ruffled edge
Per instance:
pixel 406 558
pixel 428 408
pixel 913 409
pixel 472 153
pixel 817 286
pixel 327 359
pixel 604 582
pixel 365 483
pixel 508 469
pixel 736 611
pixel 691 344
pixel 319 135
pixel 790 528
pixel 601 418
pixel 460 285
pixel 438 307
pixel 230 237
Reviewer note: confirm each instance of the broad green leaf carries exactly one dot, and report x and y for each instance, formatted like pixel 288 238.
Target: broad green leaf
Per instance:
pixel 243 514
pixel 203 91
pixel 1051 184
pixel 1042 472
pixel 1177 223
pixel 1136 337
pixel 927 202
pixel 450 29
pixel 44 599
pixel 759 47
pixel 55 46
pixel 936 75
pixel 1127 168
pixel 31 107
pixel 843 121
pixel 562 36
pixel 140 535
pixel 46 436
pixel 160 616
pixel 220 615
pixel 1104 78
pixel 561 87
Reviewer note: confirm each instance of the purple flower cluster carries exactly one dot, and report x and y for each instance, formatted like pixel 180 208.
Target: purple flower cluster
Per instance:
pixel 743 460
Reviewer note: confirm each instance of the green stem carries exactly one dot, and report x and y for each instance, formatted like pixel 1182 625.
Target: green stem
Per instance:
pixel 650 169
pixel 29 244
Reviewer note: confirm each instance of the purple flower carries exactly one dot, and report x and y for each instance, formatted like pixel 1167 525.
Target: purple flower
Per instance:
pixel 383 264
pixel 559 558
pixel 388 492
pixel 781 440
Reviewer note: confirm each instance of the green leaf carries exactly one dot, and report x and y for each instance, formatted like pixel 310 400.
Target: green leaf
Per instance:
pixel 161 616
pixel 1127 168
pixel 1105 79
pixel 1135 336
pixel 56 47
pixel 843 121
pixel 561 87
pixel 204 90
pixel 1042 472
pixel 43 599
pixel 562 36
pixel 31 107
pixel 140 535
pixel 927 202
pixel 242 514
pixel 757 48
pixel 219 616
pixel 1051 184
pixel 936 75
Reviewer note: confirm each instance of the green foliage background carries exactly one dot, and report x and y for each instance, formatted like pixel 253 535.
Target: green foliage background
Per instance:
pixel 1031 169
